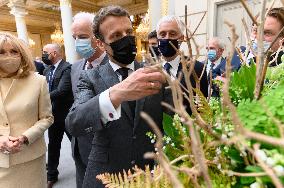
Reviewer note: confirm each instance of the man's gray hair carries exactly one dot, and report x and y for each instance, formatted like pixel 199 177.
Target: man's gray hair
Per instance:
pixel 54 46
pixel 84 16
pixel 219 41
pixel 171 18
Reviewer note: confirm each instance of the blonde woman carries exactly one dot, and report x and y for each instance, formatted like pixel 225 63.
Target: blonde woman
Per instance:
pixel 25 113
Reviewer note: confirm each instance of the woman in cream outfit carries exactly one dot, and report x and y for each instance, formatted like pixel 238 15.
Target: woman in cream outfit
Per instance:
pixel 25 113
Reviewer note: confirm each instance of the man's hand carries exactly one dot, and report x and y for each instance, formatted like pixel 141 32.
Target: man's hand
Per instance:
pixel 141 83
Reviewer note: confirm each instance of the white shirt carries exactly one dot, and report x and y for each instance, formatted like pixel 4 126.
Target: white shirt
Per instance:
pixel 97 61
pixel 56 65
pixel 216 63
pixel 108 112
pixel 174 66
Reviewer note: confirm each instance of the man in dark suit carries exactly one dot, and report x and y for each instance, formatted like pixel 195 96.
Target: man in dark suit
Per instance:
pixel 39 66
pixel 109 101
pixel 86 47
pixel 59 82
pixel 216 64
pixel 170 30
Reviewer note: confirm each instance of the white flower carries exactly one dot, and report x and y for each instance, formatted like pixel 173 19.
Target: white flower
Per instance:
pixel 218 125
pixel 261 154
pixel 219 166
pixel 230 134
pixel 152 141
pixel 164 147
pixel 279 170
pixel 270 162
pixel 224 137
pixel 173 144
pixel 156 149
pixel 218 151
pixel 255 185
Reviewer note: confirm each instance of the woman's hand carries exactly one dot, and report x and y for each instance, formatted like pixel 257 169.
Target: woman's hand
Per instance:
pixel 10 144
pixel 7 146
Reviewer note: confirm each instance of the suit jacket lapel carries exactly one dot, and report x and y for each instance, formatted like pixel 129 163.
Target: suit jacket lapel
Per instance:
pixel 58 70
pixel 2 108
pixel 110 78
pixel 11 88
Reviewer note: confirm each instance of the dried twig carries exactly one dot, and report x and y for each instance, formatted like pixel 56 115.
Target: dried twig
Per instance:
pixel 266 168
pixel 242 174
pixel 161 157
pixel 263 138
pixel 198 153
pixel 186 33
pixel 198 25
pixel 249 12
pixel 260 61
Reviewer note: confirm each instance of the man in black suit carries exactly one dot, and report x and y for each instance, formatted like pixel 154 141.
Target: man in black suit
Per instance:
pixel 60 89
pixel 170 30
pixel 109 101
pixel 39 66
pixel 93 56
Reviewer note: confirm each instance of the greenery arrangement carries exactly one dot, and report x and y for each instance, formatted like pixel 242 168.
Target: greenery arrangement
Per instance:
pixel 236 140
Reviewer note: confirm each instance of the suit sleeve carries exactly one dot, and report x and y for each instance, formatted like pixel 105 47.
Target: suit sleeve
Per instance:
pixel 45 115
pixel 64 86
pixel 203 81
pixel 84 116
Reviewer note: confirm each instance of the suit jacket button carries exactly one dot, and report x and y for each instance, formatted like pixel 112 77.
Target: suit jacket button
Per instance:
pixel 5 124
pixel 110 115
pixel 133 162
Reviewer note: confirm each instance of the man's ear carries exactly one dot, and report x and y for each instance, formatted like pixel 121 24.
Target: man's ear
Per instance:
pixel 100 44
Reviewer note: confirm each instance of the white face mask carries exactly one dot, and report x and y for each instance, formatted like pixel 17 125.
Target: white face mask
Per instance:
pixel 9 65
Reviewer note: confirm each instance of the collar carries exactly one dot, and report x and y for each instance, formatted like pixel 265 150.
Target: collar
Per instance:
pixel 216 63
pixel 57 63
pixel 97 61
pixel 115 66
pixel 175 64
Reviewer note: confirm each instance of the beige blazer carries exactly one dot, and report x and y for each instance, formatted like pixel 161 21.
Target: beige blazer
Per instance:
pixel 26 110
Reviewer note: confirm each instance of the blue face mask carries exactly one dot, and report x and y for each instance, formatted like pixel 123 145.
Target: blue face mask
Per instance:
pixel 212 55
pixel 265 45
pixel 84 48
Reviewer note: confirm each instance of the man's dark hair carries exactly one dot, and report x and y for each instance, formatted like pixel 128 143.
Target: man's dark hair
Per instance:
pixel 277 13
pixel 153 34
pixel 101 16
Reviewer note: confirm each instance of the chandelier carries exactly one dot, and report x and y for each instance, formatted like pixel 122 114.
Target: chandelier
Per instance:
pixel 143 28
pixel 57 35
pixel 31 42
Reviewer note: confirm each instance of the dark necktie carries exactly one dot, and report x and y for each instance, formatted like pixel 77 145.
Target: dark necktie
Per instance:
pixel 50 77
pixel 167 68
pixel 123 71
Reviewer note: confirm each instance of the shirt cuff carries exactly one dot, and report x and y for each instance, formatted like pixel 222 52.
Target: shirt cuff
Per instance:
pixel 108 112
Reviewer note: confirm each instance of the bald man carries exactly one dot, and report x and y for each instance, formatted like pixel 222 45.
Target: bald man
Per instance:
pixel 92 56
pixel 59 84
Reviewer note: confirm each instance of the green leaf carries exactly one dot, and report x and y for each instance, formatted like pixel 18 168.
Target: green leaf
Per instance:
pixel 254 169
pixel 168 125
pixel 247 180
pixel 235 155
